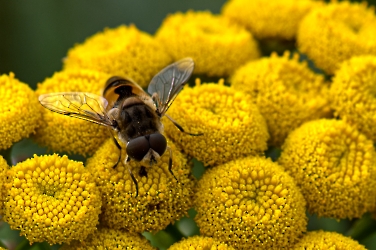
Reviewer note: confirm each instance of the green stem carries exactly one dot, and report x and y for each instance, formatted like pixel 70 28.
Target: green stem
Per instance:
pixel 3 245
pixel 7 155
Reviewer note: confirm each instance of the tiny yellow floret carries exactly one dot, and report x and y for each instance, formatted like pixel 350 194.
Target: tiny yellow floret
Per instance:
pixel 200 243
pixel 3 179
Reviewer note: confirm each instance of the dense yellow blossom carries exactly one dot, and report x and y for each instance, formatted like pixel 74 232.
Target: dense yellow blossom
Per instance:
pixel 161 199
pixel 231 125
pixel 123 51
pixel 3 179
pixel 335 167
pixel 52 199
pixel 250 203
pixel 269 19
pixel 19 113
pixel 200 243
pixel 353 94
pixel 286 91
pixel 338 31
pixel 66 134
pixel 217 46
pixel 327 240
pixel 105 238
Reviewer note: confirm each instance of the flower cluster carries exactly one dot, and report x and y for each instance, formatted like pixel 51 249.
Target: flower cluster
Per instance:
pixel 3 179
pixel 19 111
pixel 250 203
pixel 106 238
pixel 338 31
pixel 269 19
pixel 286 91
pixel 161 199
pixel 230 125
pixel 217 45
pixel 122 51
pixel 335 167
pixel 353 93
pixel 327 240
pixel 200 242
pixel 53 199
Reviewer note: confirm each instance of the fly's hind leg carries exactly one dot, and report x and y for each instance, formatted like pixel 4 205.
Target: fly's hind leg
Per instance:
pixel 180 127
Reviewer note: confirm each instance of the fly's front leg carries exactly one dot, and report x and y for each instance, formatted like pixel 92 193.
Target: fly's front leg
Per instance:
pixel 170 163
pixel 119 147
pixel 131 174
pixel 180 127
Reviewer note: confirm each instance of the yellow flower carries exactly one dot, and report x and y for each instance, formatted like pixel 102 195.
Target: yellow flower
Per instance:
pixel 250 203
pixel 161 199
pixel 353 94
pixel 19 113
pixel 336 32
pixel 53 199
pixel 122 51
pixel 105 238
pixel 286 91
pixel 66 134
pixel 335 167
pixel 199 243
pixel 327 240
pixel 231 125
pixel 3 179
pixel 217 46
pixel 269 19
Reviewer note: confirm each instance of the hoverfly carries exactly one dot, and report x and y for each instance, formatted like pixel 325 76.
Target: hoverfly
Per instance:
pixel 132 115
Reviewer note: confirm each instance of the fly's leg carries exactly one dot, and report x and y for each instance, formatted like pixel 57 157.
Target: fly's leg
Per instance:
pixel 170 163
pixel 180 127
pixel 131 174
pixel 119 147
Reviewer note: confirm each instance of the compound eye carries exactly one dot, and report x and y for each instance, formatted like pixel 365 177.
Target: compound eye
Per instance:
pixel 158 143
pixel 137 148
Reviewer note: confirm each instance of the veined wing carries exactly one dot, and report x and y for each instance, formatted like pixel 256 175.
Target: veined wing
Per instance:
pixel 166 85
pixel 86 106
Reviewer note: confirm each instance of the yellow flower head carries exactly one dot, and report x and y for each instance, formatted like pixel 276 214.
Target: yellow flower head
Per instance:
pixel 286 91
pixel 122 51
pixel 217 46
pixel 353 94
pixel 250 203
pixel 231 125
pixel 336 32
pixel 105 238
pixel 269 19
pixel 200 243
pixel 327 240
pixel 3 179
pixel 53 199
pixel 161 199
pixel 66 134
pixel 19 111
pixel 335 167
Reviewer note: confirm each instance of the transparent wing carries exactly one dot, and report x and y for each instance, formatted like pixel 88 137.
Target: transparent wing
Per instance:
pixel 81 105
pixel 166 85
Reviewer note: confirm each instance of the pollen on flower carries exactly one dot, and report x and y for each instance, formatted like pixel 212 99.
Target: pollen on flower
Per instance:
pixel 123 51
pixel 106 238
pixel 286 91
pixel 336 32
pixel 250 203
pixel 161 199
pixel 269 19
pixel 3 179
pixel 230 125
pixel 63 133
pixel 327 240
pixel 217 46
pixel 45 203
pixel 353 94
pixel 335 167
pixel 19 111
pixel 199 243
